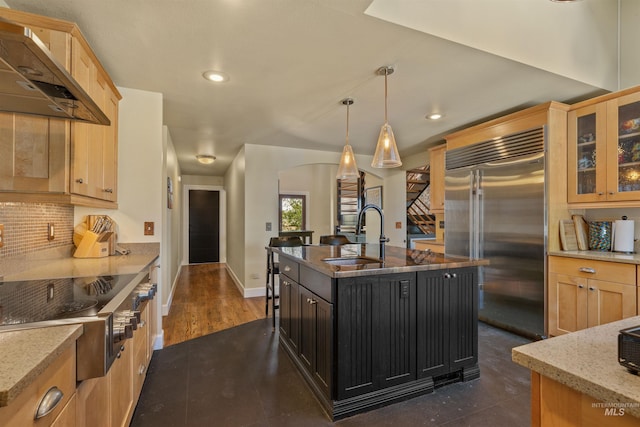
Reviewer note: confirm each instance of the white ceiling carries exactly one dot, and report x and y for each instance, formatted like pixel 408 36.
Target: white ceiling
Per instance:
pixel 291 62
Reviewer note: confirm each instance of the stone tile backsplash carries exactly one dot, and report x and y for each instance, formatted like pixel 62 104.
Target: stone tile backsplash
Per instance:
pixel 25 227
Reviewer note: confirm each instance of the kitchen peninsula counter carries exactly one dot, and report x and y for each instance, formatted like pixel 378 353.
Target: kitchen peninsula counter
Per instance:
pixel 365 333
pixel 584 366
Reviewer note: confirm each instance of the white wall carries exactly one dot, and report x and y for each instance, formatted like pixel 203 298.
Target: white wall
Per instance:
pixel 629 36
pixel 171 223
pixel 234 181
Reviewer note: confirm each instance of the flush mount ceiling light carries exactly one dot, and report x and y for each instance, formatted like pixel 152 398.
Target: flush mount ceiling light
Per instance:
pixel 215 76
pixel 386 155
pixel 565 1
pixel 347 168
pixel 206 159
pixel 435 116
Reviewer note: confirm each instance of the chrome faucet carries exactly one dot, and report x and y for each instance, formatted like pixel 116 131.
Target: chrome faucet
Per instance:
pixel 383 239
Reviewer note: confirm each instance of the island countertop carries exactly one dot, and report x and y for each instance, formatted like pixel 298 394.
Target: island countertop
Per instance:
pixel 586 361
pixel 397 259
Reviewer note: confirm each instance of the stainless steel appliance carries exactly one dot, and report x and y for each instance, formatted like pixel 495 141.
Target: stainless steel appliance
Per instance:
pixel 33 82
pixel 495 209
pixel 107 307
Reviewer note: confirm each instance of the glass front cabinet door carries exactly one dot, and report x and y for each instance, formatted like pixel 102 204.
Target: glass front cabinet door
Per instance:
pixel 604 151
pixel 623 149
pixel 586 156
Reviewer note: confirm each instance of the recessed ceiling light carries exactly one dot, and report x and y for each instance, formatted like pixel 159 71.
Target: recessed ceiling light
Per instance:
pixel 565 1
pixel 215 76
pixel 206 159
pixel 434 116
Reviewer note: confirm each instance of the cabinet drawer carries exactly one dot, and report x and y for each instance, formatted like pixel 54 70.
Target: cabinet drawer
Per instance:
pixel 591 269
pixel 290 268
pixel 61 374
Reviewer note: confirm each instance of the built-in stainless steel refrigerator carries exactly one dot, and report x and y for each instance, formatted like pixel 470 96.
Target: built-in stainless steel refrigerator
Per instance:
pixel 495 209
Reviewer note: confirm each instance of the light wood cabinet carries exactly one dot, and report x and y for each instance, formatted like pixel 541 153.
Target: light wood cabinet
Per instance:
pixel 121 387
pixel 604 151
pixel 433 246
pixel 436 185
pixel 92 407
pixel 54 160
pixel 582 293
pixel 61 374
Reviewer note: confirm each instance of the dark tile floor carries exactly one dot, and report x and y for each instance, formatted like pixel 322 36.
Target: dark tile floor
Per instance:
pixel 240 377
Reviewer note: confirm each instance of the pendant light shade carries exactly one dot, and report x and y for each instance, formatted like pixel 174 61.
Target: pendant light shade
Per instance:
pixel 347 168
pixel 386 155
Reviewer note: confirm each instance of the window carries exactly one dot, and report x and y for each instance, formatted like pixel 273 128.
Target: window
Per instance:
pixel 292 212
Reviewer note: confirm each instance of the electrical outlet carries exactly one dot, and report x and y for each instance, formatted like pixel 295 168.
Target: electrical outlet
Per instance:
pixel 267 226
pixel 148 228
pixel 1 235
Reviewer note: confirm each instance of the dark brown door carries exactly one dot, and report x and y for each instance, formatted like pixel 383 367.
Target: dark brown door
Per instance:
pixel 204 226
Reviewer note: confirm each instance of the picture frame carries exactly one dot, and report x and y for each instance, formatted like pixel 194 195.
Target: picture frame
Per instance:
pixel 373 195
pixel 169 193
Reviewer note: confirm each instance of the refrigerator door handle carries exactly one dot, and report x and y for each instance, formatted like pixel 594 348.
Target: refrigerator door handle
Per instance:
pixel 479 220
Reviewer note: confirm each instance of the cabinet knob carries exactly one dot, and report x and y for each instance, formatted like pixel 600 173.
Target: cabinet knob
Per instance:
pixel 587 270
pixel 592 288
pixel 600 193
pixel 312 301
pixel 611 193
pixel 287 268
pixel 580 286
pixel 285 283
pixel 79 180
pixel 141 370
pixel 454 275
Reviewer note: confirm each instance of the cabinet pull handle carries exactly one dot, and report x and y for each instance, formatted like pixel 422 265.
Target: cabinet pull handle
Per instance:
pixel 587 270
pixel 79 180
pixel 48 403
pixel 287 268
pixel 108 190
pixel 600 193
pixel 611 193
pixel 312 301
pixel 285 283
pixel 141 370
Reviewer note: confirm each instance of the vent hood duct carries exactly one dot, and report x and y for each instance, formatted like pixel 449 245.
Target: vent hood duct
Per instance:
pixel 33 82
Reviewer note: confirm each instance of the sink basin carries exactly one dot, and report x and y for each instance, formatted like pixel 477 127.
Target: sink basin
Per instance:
pixel 355 260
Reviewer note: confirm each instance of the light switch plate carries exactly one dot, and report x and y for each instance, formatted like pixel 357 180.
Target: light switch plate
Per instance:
pixel 398 225
pixel 148 228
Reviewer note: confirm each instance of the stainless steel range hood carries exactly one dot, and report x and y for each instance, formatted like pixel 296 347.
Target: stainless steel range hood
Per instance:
pixel 33 82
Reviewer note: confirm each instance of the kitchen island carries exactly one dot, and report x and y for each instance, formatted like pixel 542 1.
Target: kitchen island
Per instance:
pixel 366 332
pixel 576 379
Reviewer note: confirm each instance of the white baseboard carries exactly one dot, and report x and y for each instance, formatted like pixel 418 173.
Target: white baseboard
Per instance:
pixel 246 292
pixel 158 341
pixel 167 306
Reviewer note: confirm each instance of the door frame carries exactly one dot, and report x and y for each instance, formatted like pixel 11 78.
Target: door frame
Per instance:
pixel 221 213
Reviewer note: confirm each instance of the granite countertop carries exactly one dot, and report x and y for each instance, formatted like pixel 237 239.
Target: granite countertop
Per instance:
pixel 586 361
pixel 67 266
pixel 26 354
pixel 397 260
pixel 633 258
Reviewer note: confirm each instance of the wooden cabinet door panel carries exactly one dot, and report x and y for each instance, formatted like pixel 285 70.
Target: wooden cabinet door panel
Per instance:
pixel 432 325
pixel 307 329
pixel 567 303
pixel 323 369
pixel 463 317
pixel 121 387
pixel 608 302
pixel 436 185
pixel 93 403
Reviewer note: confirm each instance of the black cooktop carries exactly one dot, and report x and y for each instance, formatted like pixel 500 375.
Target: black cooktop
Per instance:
pixel 40 300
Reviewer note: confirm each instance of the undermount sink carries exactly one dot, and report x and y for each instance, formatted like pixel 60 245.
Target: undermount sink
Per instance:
pixel 354 260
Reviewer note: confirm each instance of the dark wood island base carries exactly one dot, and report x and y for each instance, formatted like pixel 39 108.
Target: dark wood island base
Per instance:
pixel 365 338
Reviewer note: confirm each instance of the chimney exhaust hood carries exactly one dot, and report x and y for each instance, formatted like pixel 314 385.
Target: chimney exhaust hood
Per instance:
pixel 33 82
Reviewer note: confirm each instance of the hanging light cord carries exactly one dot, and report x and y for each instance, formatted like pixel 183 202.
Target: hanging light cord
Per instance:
pixel 386 72
pixel 348 103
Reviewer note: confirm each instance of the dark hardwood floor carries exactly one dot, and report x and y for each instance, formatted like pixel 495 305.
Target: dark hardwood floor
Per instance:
pixel 240 377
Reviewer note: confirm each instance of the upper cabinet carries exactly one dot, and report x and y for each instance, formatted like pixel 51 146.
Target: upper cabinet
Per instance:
pixel 604 151
pixel 56 160
pixel 436 165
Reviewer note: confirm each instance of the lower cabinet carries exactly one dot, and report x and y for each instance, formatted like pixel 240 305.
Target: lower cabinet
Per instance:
pixel 120 387
pixel 289 311
pixel 376 336
pixel 585 293
pixel 447 322
pixel 379 339
pixel 316 338
pixel 60 374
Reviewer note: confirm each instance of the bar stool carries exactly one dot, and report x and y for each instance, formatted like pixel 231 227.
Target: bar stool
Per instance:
pixel 273 268
pixel 334 240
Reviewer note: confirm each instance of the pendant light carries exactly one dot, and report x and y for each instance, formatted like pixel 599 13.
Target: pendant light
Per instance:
pixel 386 155
pixel 347 168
